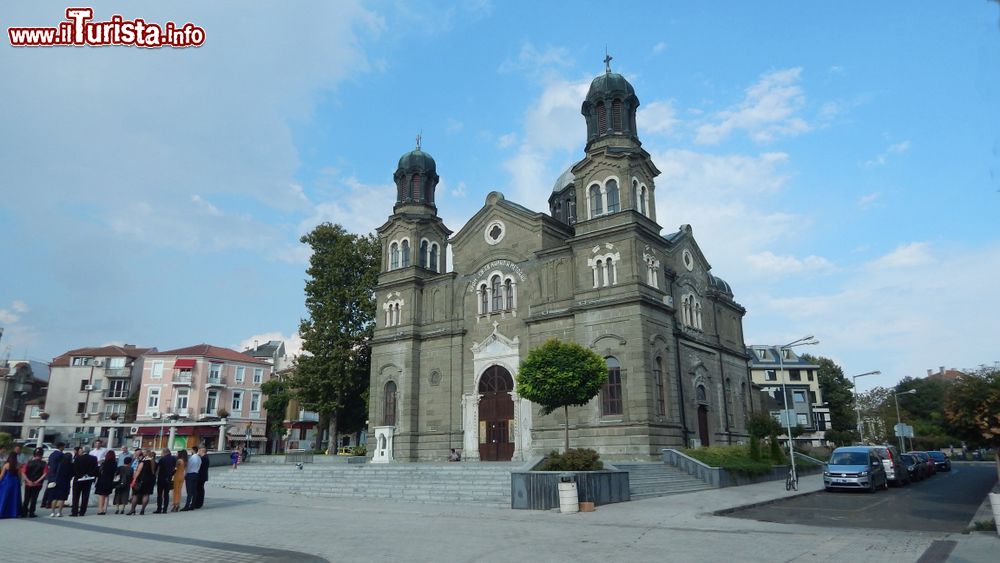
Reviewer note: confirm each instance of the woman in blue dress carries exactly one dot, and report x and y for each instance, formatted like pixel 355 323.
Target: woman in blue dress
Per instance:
pixel 10 488
pixel 64 475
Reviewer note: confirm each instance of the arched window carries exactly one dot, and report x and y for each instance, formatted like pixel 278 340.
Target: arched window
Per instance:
pixel 729 402
pixel 697 314
pixel 642 201
pixel 599 279
pixel 610 272
pixel 423 254
pixel 484 303
pixel 611 392
pixel 616 115
pixel 700 394
pixel 602 119
pixel 415 188
pixel 596 203
pixel 396 313
pixel 508 291
pixel 746 400
pixel 433 262
pixel 497 293
pixel 614 203
pixel 393 256
pixel 389 404
pixel 406 253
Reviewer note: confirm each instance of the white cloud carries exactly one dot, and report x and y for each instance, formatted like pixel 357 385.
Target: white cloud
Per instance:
pixel 894 149
pixel 904 256
pixel 453 125
pixel 531 60
pixel 350 206
pixel 656 118
pixel 19 306
pixel 768 111
pixel 768 262
pixel 507 140
pixel 867 201
pixel 660 47
pixel 460 190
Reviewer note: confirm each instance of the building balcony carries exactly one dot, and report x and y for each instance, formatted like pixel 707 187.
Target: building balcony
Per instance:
pixel 118 372
pixel 209 412
pixel 307 416
pixel 115 395
pixel 181 413
pixel 216 381
pixel 183 378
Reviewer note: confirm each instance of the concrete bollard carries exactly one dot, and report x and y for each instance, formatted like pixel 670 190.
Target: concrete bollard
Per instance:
pixel 995 501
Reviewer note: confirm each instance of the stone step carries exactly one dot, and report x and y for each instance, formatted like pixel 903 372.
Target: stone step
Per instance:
pixel 647 480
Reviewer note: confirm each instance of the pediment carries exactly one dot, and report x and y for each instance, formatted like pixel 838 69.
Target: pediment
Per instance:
pixel 496 344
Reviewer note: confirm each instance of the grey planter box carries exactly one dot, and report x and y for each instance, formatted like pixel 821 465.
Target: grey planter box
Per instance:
pixel 719 477
pixel 539 490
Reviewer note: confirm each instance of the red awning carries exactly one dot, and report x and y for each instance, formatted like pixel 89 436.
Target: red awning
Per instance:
pixel 184 364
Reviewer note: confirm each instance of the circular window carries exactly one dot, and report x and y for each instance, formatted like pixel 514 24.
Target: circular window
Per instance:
pixel 688 259
pixel 495 232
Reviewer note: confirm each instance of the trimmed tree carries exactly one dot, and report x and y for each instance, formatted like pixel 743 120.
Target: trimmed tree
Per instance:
pixel 332 375
pixel 561 374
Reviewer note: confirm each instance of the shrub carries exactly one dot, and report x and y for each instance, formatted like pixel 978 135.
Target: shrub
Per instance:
pixel 754 448
pixel 359 450
pixel 581 459
pixel 732 458
pixel 5 441
pixel 777 456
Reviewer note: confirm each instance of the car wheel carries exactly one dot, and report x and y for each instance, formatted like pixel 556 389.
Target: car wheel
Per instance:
pixel 871 485
pixel 885 485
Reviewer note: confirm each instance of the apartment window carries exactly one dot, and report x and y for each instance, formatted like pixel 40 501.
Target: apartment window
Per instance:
pixel 212 404
pixel 255 402
pixel 802 420
pixel 812 397
pixel 153 398
pixel 181 399
pixel 795 375
pixel 118 389
pixel 93 407
pixel 770 375
pixel 237 402
pixel 82 361
pixel 116 363
pixel 97 384
pixel 799 396
pixel 157 369
pixel 214 371
pixel 240 371
pixel 611 393
pixel 81 408
pixel 258 376
pixel 809 374
pixel 83 384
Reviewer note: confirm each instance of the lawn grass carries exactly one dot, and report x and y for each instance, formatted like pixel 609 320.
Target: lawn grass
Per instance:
pixel 732 458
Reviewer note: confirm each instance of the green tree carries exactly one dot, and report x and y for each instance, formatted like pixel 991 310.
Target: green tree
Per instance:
pixel 561 374
pixel 837 391
pixel 972 408
pixel 278 397
pixel 332 374
pixel 761 424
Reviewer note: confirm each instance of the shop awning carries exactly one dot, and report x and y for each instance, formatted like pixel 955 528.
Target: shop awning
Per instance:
pixel 184 364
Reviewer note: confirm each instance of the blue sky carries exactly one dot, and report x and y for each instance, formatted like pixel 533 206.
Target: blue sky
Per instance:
pixel 839 162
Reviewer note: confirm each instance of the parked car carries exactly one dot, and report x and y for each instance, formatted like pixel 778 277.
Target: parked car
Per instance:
pixel 894 469
pixel 915 467
pixel 941 461
pixel 929 467
pixel 856 467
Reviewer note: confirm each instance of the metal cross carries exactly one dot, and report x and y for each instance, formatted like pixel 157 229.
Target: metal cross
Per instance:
pixel 418 141
pixel 607 60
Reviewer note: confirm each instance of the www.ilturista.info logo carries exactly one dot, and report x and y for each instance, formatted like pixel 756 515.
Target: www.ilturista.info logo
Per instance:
pixel 79 30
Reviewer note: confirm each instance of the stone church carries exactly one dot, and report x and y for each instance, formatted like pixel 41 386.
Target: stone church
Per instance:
pixel 594 269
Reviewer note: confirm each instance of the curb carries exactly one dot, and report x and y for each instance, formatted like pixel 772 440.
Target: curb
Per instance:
pixel 725 511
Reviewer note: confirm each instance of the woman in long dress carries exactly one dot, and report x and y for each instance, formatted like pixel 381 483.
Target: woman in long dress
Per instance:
pixel 106 481
pixel 123 483
pixel 64 476
pixel 10 487
pixel 143 483
pixel 179 469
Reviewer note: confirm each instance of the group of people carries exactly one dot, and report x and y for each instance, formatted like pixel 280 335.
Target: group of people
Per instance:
pixel 129 479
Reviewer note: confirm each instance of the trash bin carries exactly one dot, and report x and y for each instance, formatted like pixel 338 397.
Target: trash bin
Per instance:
pixel 569 500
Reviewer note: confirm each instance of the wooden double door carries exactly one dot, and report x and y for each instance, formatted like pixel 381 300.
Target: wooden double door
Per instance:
pixel 496 415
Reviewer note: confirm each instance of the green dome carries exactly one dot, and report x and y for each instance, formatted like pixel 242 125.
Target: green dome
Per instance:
pixel 607 85
pixel 417 160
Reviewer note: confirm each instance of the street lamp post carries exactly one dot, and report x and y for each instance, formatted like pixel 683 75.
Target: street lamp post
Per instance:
pixel 857 406
pixel 899 421
pixel 805 341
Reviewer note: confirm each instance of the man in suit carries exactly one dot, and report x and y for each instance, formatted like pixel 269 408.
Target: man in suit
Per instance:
pixel 164 480
pixel 202 478
pixel 54 458
pixel 85 470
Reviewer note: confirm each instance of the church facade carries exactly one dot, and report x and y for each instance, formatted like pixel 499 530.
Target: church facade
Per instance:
pixel 595 269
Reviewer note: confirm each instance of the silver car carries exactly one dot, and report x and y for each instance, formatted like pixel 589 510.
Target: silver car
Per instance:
pixel 856 467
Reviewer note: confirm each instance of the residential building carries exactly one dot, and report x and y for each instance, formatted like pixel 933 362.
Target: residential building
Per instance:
pixel 21 381
pixel 803 394
pixel 88 386
pixel 943 374
pixel 203 383
pixel 272 352
pixel 594 269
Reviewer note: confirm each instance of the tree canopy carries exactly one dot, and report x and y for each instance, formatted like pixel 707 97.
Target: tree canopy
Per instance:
pixel 837 392
pixel 561 374
pixel 331 376
pixel 973 406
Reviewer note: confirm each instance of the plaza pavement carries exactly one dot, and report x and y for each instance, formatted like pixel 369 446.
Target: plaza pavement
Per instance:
pixel 255 526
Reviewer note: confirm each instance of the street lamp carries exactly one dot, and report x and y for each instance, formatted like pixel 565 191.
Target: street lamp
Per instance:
pixel 857 406
pixel 899 421
pixel 804 341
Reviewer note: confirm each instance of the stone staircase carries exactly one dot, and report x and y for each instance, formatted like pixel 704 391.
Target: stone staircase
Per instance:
pixel 468 483
pixel 657 479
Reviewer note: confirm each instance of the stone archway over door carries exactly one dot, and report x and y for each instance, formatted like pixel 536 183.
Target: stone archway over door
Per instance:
pixel 496 414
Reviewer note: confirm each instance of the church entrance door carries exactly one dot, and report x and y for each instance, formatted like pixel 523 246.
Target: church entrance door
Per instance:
pixel 496 411
pixel 703 424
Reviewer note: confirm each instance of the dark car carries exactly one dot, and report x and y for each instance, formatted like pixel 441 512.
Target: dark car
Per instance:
pixel 929 468
pixel 941 461
pixel 914 466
